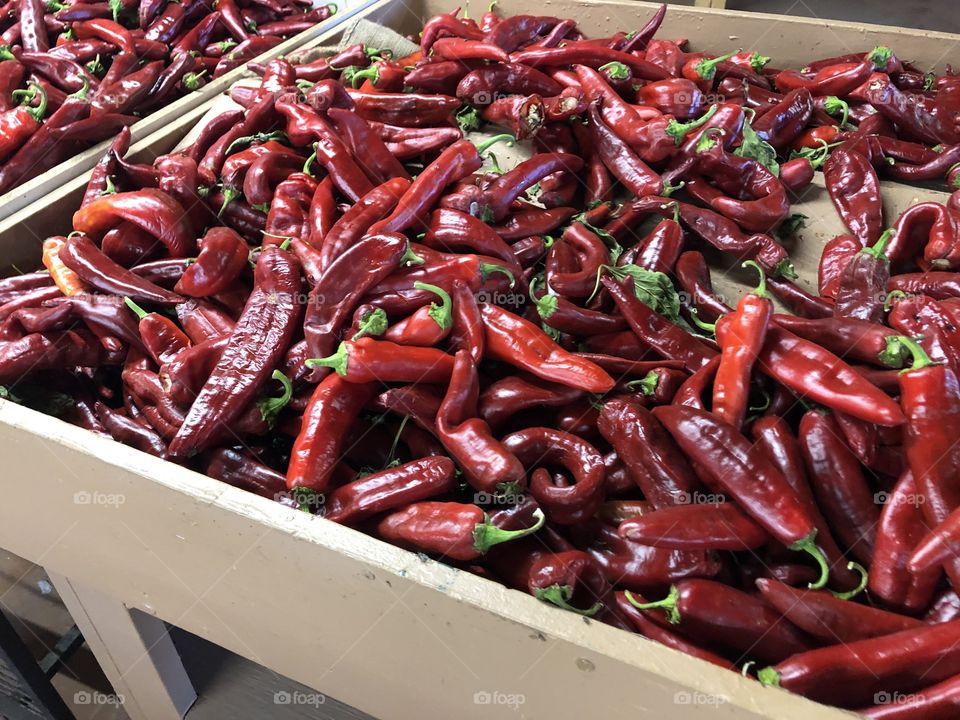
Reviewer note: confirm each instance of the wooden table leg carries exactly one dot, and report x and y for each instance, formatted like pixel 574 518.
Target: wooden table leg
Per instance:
pixel 135 651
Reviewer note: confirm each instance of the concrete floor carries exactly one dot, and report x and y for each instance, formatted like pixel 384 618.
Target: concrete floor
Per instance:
pixel 232 687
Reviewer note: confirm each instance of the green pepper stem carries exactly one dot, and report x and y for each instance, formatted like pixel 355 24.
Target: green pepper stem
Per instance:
pixel 490 142
pixel 668 604
pixel 309 161
pixel 270 407
pixel 678 131
pixel 880 56
pixel 560 596
pixel 487 269
pixel 191 81
pixel 338 361
pixel 861 586
pixel 785 269
pixel 615 70
pixel 546 303
pixel 647 384
pixel 5 53
pixel 808 545
pixel 441 314
pixel 34 90
pixel 891 296
pixel 305 498
pixel 878 249
pixel 708 140
pixel 706 69
pixel 355 75
pixel 758 62
pixel 410 257
pixel 919 357
pixel 894 353
pixel 768 676
pixel 668 191
pixel 230 194
pixel 705 326
pixel 373 323
pixel 761 289
pixel 140 312
pixel 81 94
pixel 485 535
pixel 832 105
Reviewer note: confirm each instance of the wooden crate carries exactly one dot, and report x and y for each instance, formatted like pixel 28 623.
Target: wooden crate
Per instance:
pixel 170 115
pixel 390 632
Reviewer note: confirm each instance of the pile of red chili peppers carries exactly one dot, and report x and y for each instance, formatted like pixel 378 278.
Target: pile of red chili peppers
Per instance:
pixel 333 299
pixel 74 73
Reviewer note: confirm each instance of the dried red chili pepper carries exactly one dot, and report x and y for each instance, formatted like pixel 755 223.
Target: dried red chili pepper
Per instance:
pixel 707 526
pixel 257 343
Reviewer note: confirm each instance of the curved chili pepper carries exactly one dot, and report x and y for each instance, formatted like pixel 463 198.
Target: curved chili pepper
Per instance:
pixel 744 338
pixel 652 459
pixel 289 209
pixel 106 315
pixel 727 617
pixel 513 340
pixel 451 229
pixel 563 504
pixel 848 337
pixel 358 220
pixel 851 674
pixel 810 370
pixel 449 24
pixel 484 84
pixel 223 256
pixel 161 336
pixel 389 489
pixel 584 53
pixel 81 255
pixel 343 283
pixel 931 321
pixel 333 407
pixel 914 118
pixel 710 526
pixel 452 530
pixel 257 343
pixel 488 464
pixel 839 485
pixel 156 212
pixel 666 338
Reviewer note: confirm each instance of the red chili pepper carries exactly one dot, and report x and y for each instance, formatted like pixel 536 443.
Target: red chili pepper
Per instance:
pixel 666 338
pixel 156 212
pixel 487 463
pixel 333 407
pixel 389 489
pixel 855 191
pixel 257 343
pixel 743 339
pixel 22 121
pixel 810 370
pixel 839 485
pixel 863 285
pixel 836 255
pixel 742 470
pixel 622 162
pixel 372 153
pixel 483 85
pixel 161 336
pixel 726 617
pixel 223 256
pixel 290 209
pixel 513 340
pixel 709 526
pixel 839 79
pixel 81 255
pixel 852 674
pixel 584 53
pixel 367 360
pixel 428 326
pixel 452 530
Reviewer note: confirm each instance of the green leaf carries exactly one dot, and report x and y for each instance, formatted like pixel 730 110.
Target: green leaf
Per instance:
pixel 754 147
pixel 791 225
pixel 654 289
